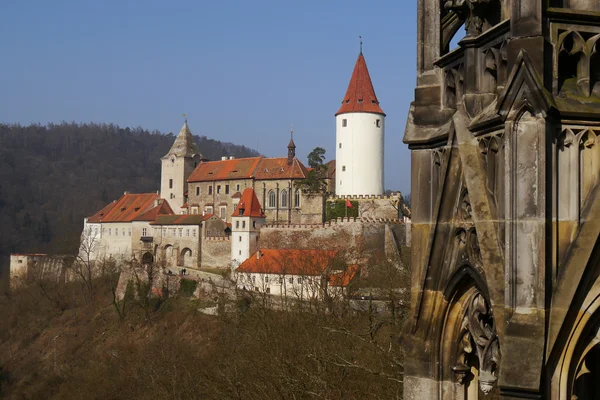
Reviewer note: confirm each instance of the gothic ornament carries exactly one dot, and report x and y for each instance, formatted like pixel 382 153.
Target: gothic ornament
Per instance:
pixel 472 11
pixel 478 339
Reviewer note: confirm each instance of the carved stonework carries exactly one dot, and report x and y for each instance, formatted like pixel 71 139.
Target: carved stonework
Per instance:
pixel 478 340
pixel 472 11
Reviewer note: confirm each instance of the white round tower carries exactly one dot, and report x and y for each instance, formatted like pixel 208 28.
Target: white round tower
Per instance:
pixel 359 127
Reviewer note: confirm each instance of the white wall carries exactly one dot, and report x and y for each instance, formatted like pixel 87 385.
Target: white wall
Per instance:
pixel 361 154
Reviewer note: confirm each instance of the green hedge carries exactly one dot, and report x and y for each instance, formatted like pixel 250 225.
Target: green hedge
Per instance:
pixel 337 209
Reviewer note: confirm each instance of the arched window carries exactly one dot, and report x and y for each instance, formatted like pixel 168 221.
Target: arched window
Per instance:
pixel 297 198
pixel 272 199
pixel 284 199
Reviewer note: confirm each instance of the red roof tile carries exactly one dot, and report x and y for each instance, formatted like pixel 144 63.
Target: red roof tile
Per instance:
pixel 239 168
pixel 163 208
pixel 360 96
pixel 290 262
pixel 247 168
pixel 343 279
pixel 249 206
pixel 278 168
pixel 126 209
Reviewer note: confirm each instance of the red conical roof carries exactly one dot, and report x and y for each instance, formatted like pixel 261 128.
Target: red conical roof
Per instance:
pixel 249 206
pixel 360 96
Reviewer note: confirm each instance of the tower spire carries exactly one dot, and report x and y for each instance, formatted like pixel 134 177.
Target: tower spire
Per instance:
pixel 360 37
pixel 291 147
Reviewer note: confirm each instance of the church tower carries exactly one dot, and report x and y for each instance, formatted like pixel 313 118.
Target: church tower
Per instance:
pixel 177 165
pixel 359 126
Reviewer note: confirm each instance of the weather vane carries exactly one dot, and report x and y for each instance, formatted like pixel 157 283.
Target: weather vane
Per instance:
pixel 184 115
pixel 292 130
pixel 360 37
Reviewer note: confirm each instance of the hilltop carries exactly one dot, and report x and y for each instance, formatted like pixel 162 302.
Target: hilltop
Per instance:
pixel 52 176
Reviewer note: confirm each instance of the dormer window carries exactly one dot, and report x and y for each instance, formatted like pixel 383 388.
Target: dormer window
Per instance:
pixel 123 208
pixel 137 209
pixel 360 101
pixel 373 102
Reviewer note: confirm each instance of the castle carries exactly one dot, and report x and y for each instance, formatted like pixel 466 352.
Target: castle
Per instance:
pixel 211 214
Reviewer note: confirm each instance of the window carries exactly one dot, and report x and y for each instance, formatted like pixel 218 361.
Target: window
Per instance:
pixel 222 212
pixel 340 145
pixel 297 198
pixel 172 196
pixel 299 280
pixel 197 190
pixel 266 279
pixel 272 199
pixel 240 238
pixel 194 232
pixel 284 198
pixel 226 189
pixel 210 190
pixel 280 280
pixel 164 231
pixel 208 209
pixel 218 189
pixel 340 183
pixel 253 279
pixel 343 167
pixel 180 232
pixel 129 231
pixel 237 224
pixel 291 281
pixel 378 123
pixel 240 252
pixel 144 232
pixel 109 231
pixel 254 224
pixel 344 122
pixel 237 187
pixel 187 232
pixel 170 183
pixel 116 231
pixel 243 224
pixel 268 290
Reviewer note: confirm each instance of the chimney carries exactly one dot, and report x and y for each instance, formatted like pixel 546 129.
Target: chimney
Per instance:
pixel 258 254
pixel 155 202
pixel 125 192
pixel 231 157
pixel 223 158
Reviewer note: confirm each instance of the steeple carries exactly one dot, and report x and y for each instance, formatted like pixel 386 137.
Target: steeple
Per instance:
pixel 291 147
pixel 184 145
pixel 360 96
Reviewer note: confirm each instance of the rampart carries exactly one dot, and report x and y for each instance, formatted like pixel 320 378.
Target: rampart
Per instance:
pixel 34 267
pixel 357 238
pixel 374 206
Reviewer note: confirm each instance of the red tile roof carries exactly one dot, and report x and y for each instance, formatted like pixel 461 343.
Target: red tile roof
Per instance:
pixel 290 262
pixel 249 206
pixel 126 209
pixel 248 168
pixel 278 168
pixel 239 168
pixel 343 279
pixel 360 96
pixel 163 208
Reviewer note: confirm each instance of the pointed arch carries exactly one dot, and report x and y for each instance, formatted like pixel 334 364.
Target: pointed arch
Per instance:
pixel 571 60
pixel 271 199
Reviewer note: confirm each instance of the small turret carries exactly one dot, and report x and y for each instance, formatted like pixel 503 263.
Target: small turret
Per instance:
pixel 291 148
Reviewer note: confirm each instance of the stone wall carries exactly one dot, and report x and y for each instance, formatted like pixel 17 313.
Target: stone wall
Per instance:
pixel 215 253
pixel 29 267
pixel 356 239
pixel 375 206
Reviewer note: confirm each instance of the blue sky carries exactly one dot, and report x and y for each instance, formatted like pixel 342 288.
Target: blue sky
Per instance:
pixel 243 71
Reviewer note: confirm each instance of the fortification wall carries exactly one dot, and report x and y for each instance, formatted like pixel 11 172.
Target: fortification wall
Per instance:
pixel 215 252
pixel 375 206
pixel 34 267
pixel 358 239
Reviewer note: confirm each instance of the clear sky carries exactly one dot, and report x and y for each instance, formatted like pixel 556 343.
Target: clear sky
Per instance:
pixel 243 71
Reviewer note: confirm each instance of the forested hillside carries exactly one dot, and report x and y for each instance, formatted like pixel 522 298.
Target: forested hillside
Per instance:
pixel 52 176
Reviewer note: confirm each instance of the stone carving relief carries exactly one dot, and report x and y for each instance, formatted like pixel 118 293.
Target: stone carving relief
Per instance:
pixel 478 344
pixel 477 14
pixel 578 63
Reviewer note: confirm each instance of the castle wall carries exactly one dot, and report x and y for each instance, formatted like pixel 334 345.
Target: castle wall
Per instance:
pixel 357 240
pixel 375 206
pixel 216 252
pixel 219 197
pixel 29 267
